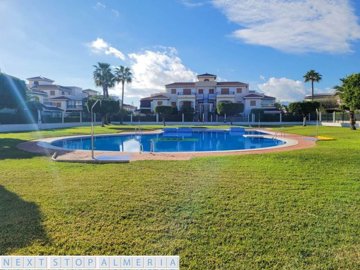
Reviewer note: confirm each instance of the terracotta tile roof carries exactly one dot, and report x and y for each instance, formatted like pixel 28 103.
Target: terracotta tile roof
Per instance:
pixel 181 84
pixel 37 92
pixel 39 78
pixel 268 97
pixel 253 95
pixel 155 97
pixel 206 75
pixel 231 84
pixel 61 98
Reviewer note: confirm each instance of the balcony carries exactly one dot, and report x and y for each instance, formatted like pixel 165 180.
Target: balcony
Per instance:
pixel 230 95
pixel 186 96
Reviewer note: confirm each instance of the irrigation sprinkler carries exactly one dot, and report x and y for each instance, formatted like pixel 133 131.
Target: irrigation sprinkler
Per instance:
pixel 92 128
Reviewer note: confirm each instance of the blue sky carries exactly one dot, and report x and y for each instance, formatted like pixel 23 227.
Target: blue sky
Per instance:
pixel 267 43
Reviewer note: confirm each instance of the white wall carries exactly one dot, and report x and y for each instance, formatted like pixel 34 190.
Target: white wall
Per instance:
pixel 30 127
pixel 154 104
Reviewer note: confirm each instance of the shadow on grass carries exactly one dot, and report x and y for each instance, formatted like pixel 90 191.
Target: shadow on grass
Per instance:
pixel 20 222
pixel 8 150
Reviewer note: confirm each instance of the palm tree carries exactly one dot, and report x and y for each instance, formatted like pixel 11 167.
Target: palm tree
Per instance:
pixel 104 77
pixel 312 76
pixel 123 75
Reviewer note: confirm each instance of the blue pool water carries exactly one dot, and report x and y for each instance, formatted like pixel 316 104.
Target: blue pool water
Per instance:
pixel 196 141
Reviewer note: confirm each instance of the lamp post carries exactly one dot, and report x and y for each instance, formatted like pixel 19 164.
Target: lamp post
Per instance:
pixel 317 122
pixel 92 128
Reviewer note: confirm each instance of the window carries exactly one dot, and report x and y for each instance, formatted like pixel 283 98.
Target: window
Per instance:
pixel 186 104
pixel 187 91
pixel 201 91
pixel 52 93
pixel 58 104
pixel 238 90
pixel 252 103
pixel 224 91
pixel 173 104
pixel 173 91
pixel 211 91
pixel 63 93
pixel 159 103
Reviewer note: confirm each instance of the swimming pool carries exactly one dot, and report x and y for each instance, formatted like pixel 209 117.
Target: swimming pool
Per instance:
pixel 174 141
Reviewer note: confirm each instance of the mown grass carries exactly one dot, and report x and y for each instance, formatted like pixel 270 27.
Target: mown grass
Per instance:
pixel 289 210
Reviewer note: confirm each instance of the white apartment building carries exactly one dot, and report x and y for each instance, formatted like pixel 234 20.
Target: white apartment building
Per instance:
pixel 204 95
pixel 53 96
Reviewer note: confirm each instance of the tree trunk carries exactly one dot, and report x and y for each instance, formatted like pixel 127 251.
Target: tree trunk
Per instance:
pixel 122 104
pixel 304 120
pixel 312 90
pixel 352 120
pixel 164 120
pixel 103 120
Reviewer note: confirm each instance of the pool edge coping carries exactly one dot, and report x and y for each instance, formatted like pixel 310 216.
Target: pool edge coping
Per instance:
pixel 293 142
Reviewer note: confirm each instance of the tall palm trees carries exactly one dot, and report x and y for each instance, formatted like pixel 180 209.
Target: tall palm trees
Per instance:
pixel 104 77
pixel 312 76
pixel 123 75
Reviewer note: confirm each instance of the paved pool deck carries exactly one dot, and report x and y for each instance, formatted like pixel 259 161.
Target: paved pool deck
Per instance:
pixel 293 142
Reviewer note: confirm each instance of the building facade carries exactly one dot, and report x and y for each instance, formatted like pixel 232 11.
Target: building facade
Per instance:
pixel 57 97
pixel 204 95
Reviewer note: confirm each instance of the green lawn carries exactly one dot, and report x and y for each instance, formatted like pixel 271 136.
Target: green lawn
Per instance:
pixel 289 210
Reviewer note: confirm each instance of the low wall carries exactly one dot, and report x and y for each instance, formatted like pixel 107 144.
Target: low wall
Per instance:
pixel 31 127
pixel 337 124
pixel 253 124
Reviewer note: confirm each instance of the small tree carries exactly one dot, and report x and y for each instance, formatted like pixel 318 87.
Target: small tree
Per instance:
pixel 349 93
pixel 229 109
pixel 106 106
pixel 12 92
pixel 304 108
pixel 164 111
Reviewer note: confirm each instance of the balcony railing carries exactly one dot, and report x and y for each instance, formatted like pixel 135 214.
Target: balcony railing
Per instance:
pixel 74 107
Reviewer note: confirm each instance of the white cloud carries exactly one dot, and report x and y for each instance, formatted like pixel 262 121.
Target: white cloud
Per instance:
pixel 101 46
pixel 152 69
pixel 284 89
pixel 192 3
pixel 294 26
pixel 99 5
pixel 115 12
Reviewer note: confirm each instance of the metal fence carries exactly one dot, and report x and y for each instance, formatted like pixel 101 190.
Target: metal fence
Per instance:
pixel 337 117
pixel 79 117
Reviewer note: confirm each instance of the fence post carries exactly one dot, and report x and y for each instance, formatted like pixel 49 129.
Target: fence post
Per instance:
pixel 225 117
pixel 211 117
pixel 280 117
pixel 253 118
pixel 131 118
pixel 95 117
pixel 62 117
pixel 39 116
pixel 183 117
pixel 217 118
pixel 320 117
pixel 157 118
pixel 334 116
pixel 80 117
